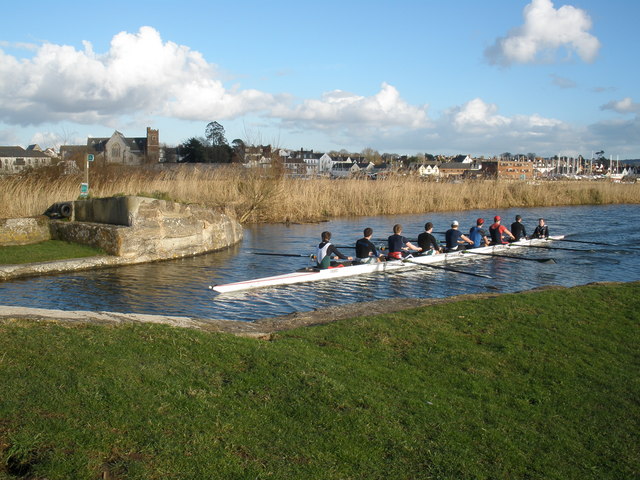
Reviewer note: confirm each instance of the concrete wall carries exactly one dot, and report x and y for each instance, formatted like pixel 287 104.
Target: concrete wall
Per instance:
pixel 113 210
pixel 147 229
pixel 23 231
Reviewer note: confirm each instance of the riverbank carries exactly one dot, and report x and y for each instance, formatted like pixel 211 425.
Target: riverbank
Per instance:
pixel 263 196
pixel 534 385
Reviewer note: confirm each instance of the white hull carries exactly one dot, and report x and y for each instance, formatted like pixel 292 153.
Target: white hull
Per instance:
pixel 313 275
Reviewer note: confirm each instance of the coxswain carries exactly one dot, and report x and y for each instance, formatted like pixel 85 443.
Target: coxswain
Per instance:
pixel 325 250
pixel 399 246
pixel 541 231
pixel 499 231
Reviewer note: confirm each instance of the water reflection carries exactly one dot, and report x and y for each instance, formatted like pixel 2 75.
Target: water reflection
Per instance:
pixel 180 287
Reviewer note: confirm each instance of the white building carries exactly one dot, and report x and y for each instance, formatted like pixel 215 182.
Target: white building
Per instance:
pixel 16 159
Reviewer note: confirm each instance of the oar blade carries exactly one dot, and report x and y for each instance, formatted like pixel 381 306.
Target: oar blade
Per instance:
pixel 511 257
pixel 448 269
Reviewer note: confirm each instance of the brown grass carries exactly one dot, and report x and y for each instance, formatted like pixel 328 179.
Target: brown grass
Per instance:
pixel 264 196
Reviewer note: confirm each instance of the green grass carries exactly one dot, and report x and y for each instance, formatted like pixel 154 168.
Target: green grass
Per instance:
pixel 45 252
pixel 542 385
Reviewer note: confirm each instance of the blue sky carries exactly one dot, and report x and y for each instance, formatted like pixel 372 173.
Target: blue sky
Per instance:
pixel 473 77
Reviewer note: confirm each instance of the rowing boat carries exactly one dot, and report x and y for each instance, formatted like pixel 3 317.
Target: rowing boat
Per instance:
pixel 311 274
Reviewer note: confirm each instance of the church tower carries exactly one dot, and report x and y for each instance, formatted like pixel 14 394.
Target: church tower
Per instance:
pixel 153 146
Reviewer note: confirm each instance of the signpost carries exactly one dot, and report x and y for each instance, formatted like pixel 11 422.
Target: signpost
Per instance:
pixel 84 187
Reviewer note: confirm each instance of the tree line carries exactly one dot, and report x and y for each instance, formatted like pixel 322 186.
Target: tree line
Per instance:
pixel 212 148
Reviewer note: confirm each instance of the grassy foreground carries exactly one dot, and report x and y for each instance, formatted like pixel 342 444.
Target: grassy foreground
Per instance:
pixel 542 385
pixel 45 252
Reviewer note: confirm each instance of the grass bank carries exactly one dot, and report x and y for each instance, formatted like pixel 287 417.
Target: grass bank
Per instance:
pixel 263 196
pixel 45 252
pixel 542 385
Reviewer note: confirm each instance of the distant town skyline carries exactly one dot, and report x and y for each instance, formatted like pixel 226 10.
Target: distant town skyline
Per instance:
pixel 483 78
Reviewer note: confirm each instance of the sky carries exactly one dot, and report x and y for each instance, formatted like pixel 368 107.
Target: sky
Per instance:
pixel 426 76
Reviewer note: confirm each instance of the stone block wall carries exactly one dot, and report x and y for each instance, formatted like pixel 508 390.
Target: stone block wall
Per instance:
pixel 147 229
pixel 23 231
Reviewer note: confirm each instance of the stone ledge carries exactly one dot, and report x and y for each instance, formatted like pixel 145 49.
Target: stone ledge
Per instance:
pixel 264 328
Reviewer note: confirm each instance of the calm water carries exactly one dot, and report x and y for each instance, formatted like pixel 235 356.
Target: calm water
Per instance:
pixel 181 287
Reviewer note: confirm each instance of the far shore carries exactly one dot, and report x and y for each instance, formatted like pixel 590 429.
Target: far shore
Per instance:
pixel 254 196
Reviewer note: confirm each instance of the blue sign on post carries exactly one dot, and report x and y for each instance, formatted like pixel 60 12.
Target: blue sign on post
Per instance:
pixel 90 157
pixel 84 189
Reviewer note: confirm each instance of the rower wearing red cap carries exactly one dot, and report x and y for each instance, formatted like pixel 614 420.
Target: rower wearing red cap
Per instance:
pixel 498 232
pixel 478 235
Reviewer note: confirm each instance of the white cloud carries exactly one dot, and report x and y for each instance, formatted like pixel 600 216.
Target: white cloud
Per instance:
pixel 475 127
pixel 139 75
pixel 477 116
pixel 545 30
pixel 626 105
pixel 338 109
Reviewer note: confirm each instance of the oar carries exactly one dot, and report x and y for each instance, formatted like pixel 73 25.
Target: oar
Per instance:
pixel 589 243
pixel 558 248
pixel 440 267
pixel 381 240
pixel 283 254
pixel 532 259
pixel 346 246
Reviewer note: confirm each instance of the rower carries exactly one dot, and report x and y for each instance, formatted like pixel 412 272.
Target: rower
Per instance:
pixel 399 246
pixel 518 230
pixel 478 235
pixel 325 250
pixel 427 242
pixel 498 232
pixel 455 239
pixel 366 251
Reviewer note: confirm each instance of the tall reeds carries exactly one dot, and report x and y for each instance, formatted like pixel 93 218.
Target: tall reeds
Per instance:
pixel 267 196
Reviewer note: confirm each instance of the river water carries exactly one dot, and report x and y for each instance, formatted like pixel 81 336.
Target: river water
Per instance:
pixel 180 287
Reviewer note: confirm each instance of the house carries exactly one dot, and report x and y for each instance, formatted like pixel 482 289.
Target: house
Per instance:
pixel 509 169
pixel 428 169
pixel 257 156
pixel 462 159
pixel 294 166
pixel 365 166
pixel 16 159
pixel 50 152
pixel 343 169
pixel 317 163
pixel 453 169
pixel 118 149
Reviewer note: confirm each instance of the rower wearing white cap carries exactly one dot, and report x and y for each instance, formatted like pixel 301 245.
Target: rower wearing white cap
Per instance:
pixel 455 239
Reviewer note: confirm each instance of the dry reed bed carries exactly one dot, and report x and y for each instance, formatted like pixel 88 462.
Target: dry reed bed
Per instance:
pixel 268 197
